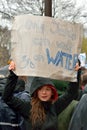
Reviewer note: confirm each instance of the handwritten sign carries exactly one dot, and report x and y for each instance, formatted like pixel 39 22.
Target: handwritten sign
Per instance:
pixel 45 47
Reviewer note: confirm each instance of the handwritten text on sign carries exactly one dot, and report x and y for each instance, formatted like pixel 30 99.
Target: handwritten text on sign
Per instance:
pixel 44 46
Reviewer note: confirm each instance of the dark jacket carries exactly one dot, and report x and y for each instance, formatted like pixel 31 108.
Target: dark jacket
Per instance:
pixel 3 81
pixel 79 117
pixel 52 110
pixel 10 119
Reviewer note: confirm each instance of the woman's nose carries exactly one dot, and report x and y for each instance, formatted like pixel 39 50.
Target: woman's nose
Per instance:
pixel 43 91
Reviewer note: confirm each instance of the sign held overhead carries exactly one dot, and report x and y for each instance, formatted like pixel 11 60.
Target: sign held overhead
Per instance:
pixel 45 47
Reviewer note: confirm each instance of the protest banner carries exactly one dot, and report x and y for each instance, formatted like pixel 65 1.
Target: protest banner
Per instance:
pixel 45 47
pixel 82 58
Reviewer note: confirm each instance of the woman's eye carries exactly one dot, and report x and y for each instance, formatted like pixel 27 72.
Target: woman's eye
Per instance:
pixel 48 89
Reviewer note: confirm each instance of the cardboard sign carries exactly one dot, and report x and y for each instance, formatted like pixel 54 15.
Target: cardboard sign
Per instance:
pixel 82 58
pixel 45 47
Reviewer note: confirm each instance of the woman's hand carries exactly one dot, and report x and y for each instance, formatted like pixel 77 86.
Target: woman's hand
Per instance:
pixel 77 67
pixel 12 66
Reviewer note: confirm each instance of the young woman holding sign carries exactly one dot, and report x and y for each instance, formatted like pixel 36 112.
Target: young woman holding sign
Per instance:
pixel 41 113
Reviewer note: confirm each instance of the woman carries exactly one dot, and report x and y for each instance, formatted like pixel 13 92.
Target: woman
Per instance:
pixel 41 113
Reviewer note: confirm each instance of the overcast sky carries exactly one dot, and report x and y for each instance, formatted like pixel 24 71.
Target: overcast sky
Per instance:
pixel 81 2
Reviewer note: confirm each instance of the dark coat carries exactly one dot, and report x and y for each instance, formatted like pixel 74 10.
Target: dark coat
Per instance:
pixel 52 110
pixel 10 119
pixel 79 117
pixel 2 84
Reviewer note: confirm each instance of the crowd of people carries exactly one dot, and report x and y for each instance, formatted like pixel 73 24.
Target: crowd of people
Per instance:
pixel 39 108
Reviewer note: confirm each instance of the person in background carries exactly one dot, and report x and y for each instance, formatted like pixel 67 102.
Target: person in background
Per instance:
pixel 20 91
pixel 41 113
pixel 79 117
pixel 83 83
pixel 11 119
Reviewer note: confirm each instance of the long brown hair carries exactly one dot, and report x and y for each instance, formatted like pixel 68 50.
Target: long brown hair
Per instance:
pixel 37 113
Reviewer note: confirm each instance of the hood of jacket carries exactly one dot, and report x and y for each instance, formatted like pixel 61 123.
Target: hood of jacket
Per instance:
pixel 41 81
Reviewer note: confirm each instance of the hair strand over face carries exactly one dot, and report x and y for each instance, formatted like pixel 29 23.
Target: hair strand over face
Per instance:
pixel 37 110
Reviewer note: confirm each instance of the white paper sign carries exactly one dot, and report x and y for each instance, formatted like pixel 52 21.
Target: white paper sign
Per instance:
pixel 82 58
pixel 45 47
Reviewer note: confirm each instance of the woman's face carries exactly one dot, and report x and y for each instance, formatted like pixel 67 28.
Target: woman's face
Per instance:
pixel 45 93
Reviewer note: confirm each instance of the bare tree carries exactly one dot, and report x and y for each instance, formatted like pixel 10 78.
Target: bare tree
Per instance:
pixel 11 8
pixel 64 9
pixel 5 44
pixel 67 10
